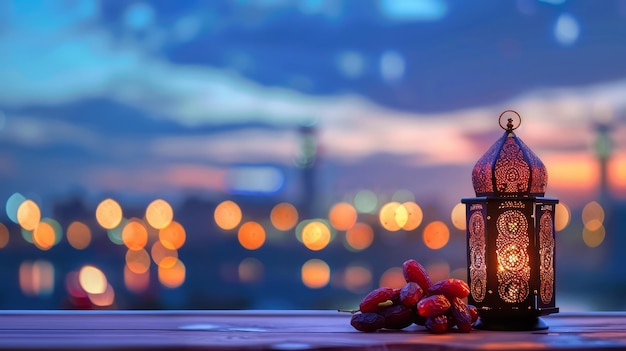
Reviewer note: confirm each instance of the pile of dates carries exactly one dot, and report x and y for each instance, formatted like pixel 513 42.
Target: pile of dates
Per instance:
pixel 439 307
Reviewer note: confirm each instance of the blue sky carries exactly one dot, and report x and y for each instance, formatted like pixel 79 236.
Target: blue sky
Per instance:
pixel 155 98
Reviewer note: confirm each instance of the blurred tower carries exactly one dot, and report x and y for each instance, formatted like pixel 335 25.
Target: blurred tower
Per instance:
pixel 603 150
pixel 306 161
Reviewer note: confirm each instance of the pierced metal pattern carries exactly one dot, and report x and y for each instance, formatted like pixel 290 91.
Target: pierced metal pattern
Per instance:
pixel 546 257
pixel 539 172
pixel 512 173
pixel 482 172
pixel 509 168
pixel 478 267
pixel 512 255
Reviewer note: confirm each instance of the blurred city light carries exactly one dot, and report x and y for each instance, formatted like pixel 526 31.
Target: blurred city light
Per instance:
pixel 315 273
pixel 227 215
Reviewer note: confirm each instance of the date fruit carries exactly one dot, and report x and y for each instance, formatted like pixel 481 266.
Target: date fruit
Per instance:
pixel 462 315
pixel 367 322
pixel 410 294
pixel 450 288
pixel 414 272
pixel 397 317
pixel 433 305
pixel 437 324
pixel 376 300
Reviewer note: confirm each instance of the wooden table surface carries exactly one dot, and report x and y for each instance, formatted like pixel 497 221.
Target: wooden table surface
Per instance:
pixel 284 330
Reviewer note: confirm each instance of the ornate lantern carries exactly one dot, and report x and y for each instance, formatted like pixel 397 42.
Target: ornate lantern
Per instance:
pixel 510 236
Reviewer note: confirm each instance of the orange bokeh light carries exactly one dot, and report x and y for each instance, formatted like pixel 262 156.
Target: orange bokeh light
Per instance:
pixel 173 236
pixel 227 215
pixel 392 278
pixel 172 276
pixel 135 282
pixel 159 214
pixel 78 235
pixel 109 214
pixel 360 236
pixel 160 253
pixel 284 216
pixel 414 215
pixel 28 215
pixel 138 261
pixel 458 216
pixel 135 235
pixel 315 273
pixel 43 236
pixel 251 235
pixel 4 235
pixel 436 235
pixel 315 235
pixel 342 216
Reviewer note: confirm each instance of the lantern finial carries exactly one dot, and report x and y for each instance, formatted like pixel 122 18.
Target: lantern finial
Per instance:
pixel 510 126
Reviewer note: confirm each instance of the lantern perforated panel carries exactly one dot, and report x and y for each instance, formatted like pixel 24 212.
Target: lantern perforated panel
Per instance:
pixel 546 256
pixel 512 255
pixel 477 246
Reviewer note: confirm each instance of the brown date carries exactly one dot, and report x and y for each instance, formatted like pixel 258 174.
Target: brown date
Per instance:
pixel 462 315
pixel 433 305
pixel 437 324
pixel 414 272
pixel 473 312
pixel 397 317
pixel 410 294
pixel 450 288
pixel 367 322
pixel 371 301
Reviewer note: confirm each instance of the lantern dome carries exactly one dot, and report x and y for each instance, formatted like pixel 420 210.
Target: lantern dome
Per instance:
pixel 509 168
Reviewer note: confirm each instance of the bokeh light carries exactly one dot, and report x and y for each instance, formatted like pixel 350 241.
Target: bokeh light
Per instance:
pixel 173 236
pixel 137 261
pixel 561 216
pixel 365 201
pixel 359 237
pixel 250 270
pixel 436 235
pixel 13 203
pixel 342 216
pixel 593 216
pixel 414 215
pixel 44 236
pixel 160 253
pixel 227 215
pixel 315 273
pixel 36 278
pixel 284 216
pixel 593 238
pixel 4 236
pixel 357 279
pixel 115 234
pixel 136 282
pixel 159 214
pixel 28 215
pixel 78 235
pixel 458 216
pixel 104 299
pixel 56 227
pixel 172 275
pixel 389 215
pixel 92 280
pixel 109 213
pixel 392 278
pixel 135 235
pixel 251 235
pixel 316 235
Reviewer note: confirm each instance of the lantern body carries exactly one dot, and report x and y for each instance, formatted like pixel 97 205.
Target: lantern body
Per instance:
pixel 511 238
pixel 511 268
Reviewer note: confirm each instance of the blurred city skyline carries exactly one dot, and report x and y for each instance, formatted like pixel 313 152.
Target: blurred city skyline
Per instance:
pixel 312 103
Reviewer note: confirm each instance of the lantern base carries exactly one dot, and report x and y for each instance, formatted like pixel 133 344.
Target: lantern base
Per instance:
pixel 511 324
